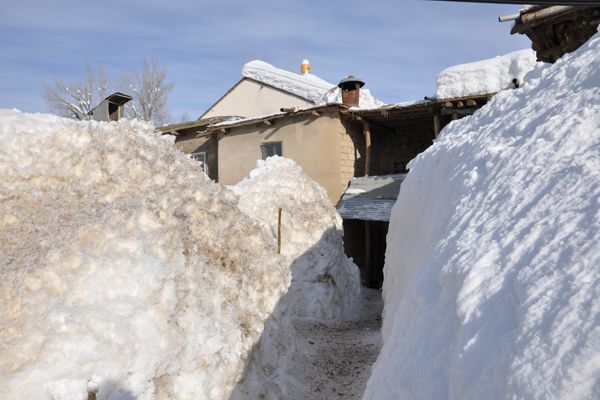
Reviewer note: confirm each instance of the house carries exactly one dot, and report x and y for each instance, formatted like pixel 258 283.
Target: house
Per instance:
pixel 356 147
pixel 294 115
pixel 264 89
pixel 555 30
pixel 111 108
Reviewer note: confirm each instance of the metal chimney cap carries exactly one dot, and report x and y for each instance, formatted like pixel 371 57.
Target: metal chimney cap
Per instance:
pixel 350 80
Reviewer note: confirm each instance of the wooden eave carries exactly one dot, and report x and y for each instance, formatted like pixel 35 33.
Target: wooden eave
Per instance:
pixel 176 129
pixel 411 113
pixel 269 119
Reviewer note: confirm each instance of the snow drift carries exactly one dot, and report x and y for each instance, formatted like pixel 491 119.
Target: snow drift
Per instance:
pixel 491 278
pixel 485 76
pixel 324 281
pixel 126 270
pixel 307 86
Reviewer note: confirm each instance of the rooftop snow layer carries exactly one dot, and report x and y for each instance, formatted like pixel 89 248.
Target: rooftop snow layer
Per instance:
pixel 491 271
pixel 307 86
pixel 485 76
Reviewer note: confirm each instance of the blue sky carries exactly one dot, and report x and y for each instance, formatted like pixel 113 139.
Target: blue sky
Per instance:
pixel 397 47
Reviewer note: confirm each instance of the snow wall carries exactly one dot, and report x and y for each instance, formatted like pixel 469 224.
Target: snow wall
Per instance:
pixel 491 278
pixel 324 281
pixel 125 270
pixel 485 76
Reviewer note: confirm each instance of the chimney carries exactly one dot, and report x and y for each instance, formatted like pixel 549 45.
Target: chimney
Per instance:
pixel 305 67
pixel 111 108
pixel 351 90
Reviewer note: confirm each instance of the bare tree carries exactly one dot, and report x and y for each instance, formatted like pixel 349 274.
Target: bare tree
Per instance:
pixel 150 90
pixel 75 99
pixel 148 87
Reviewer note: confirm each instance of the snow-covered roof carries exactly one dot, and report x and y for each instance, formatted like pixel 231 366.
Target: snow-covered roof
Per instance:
pixel 486 76
pixel 370 198
pixel 308 86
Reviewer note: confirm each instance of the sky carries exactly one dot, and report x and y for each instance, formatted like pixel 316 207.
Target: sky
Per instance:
pixel 397 47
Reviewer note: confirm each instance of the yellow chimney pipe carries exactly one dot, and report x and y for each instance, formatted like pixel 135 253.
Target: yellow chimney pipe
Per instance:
pixel 305 67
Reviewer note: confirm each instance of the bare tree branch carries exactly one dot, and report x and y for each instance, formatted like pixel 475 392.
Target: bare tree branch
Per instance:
pixel 148 87
pixel 150 91
pixel 74 99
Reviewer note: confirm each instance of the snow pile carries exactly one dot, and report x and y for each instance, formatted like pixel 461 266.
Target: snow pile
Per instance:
pixel 307 86
pixel 311 231
pixel 485 76
pixel 124 269
pixel 324 281
pixel 491 279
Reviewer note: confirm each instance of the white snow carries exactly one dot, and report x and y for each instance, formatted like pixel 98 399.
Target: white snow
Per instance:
pixel 324 281
pixel 485 76
pixel 307 86
pixel 491 283
pixel 126 270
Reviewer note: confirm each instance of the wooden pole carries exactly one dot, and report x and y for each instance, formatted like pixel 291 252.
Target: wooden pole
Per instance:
pixel 368 266
pixel 367 132
pixel 436 125
pixel 279 231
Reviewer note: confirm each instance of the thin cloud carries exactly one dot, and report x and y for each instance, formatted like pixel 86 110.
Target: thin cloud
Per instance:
pixel 396 47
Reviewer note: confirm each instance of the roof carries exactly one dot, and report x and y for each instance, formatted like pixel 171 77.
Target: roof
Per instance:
pixel 175 129
pixel 117 98
pixel 370 198
pixel 403 113
pixel 307 86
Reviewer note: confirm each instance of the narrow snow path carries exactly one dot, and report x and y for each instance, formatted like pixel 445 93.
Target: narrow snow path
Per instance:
pixel 338 355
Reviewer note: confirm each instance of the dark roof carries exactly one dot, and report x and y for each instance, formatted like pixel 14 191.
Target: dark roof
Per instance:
pixel 117 98
pixel 370 198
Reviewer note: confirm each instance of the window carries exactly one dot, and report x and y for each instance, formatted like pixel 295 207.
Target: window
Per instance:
pixel 270 149
pixel 201 158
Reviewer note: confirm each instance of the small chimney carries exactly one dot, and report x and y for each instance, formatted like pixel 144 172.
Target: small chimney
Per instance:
pixel 111 108
pixel 351 90
pixel 305 67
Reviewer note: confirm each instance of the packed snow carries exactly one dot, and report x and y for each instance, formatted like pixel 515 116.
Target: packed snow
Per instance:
pixel 491 278
pixel 485 76
pixel 307 86
pixel 126 271
pixel 324 281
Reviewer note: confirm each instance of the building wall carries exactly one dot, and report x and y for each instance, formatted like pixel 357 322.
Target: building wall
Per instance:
pixel 352 150
pixel 250 98
pixel 188 143
pixel 313 142
pixel 392 149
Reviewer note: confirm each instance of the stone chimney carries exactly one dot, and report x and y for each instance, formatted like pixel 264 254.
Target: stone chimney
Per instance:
pixel 111 108
pixel 351 90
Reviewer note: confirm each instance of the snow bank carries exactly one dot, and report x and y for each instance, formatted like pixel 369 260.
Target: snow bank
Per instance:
pixel 485 76
pixel 312 235
pixel 324 281
pixel 307 86
pixel 491 278
pixel 124 268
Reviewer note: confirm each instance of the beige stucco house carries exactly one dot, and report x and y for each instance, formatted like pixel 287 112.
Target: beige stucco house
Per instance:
pixel 249 98
pixel 283 113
